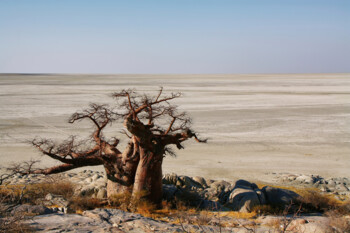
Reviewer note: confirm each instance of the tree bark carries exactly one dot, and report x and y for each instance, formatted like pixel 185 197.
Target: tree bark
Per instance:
pixel 148 177
pixel 121 170
pixel 156 183
pixel 141 184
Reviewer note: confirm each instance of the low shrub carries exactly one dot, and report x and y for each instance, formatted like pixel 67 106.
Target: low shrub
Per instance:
pixel 31 192
pixel 314 201
pixel 79 204
pixel 268 210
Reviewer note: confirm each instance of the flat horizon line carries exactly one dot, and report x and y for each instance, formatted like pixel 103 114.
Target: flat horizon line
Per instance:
pixel 44 73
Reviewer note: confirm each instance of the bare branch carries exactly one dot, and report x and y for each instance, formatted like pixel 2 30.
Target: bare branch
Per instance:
pixel 23 168
pixel 66 167
pixel 160 93
pixel 171 125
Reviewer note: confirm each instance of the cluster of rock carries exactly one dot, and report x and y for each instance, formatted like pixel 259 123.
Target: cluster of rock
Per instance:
pixel 239 195
pixel 87 182
pixel 337 186
pixel 114 220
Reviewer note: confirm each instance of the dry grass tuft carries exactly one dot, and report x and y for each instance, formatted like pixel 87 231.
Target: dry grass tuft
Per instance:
pixel 135 203
pixel 79 204
pixel 31 192
pixel 312 200
pixel 339 224
pixel 120 201
pixel 145 208
pixel 234 214
pixel 12 222
pixel 268 210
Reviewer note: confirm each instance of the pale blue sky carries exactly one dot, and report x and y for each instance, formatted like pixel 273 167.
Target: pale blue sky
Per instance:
pixel 174 36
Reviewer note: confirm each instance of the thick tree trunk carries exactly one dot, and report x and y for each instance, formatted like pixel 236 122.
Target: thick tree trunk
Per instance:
pixel 121 171
pixel 156 183
pixel 141 184
pixel 148 178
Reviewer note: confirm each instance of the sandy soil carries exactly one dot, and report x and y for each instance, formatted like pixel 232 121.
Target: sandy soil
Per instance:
pixel 257 124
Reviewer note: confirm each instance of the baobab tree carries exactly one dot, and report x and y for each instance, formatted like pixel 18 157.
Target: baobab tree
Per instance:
pixel 152 126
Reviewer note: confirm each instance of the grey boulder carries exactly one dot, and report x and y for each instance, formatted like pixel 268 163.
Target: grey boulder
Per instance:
pixel 32 209
pixel 277 196
pixel 243 198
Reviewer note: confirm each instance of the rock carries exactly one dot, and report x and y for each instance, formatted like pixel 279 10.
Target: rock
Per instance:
pixel 101 193
pixel 170 179
pixel 317 184
pixel 210 205
pixel 243 199
pixel 305 179
pixel 88 180
pixel 49 197
pixel 53 200
pixel 120 216
pixel 87 191
pixel 341 188
pixel 67 223
pixel 261 196
pixel 277 196
pixel 323 188
pixel 187 183
pixel 182 181
pixel 245 184
pixel 95 177
pixel 201 181
pixel 218 191
pixel 169 192
pixel 291 177
pixel 32 209
pixel 330 183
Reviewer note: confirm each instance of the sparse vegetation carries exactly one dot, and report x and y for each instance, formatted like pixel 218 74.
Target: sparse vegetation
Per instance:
pixel 184 209
pixel 32 192
pixel 80 204
pixel 314 201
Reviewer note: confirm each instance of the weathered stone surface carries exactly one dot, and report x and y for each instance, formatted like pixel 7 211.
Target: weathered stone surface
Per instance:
pixel 210 205
pixel 218 191
pixel 188 183
pixel 68 223
pixel 261 196
pixel 169 192
pixel 170 179
pixel 305 179
pixel 87 191
pixel 53 200
pixel 201 181
pixel 243 199
pixel 32 209
pixel 101 193
pixel 110 220
pixel 245 184
pixel 245 196
pixel 277 196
